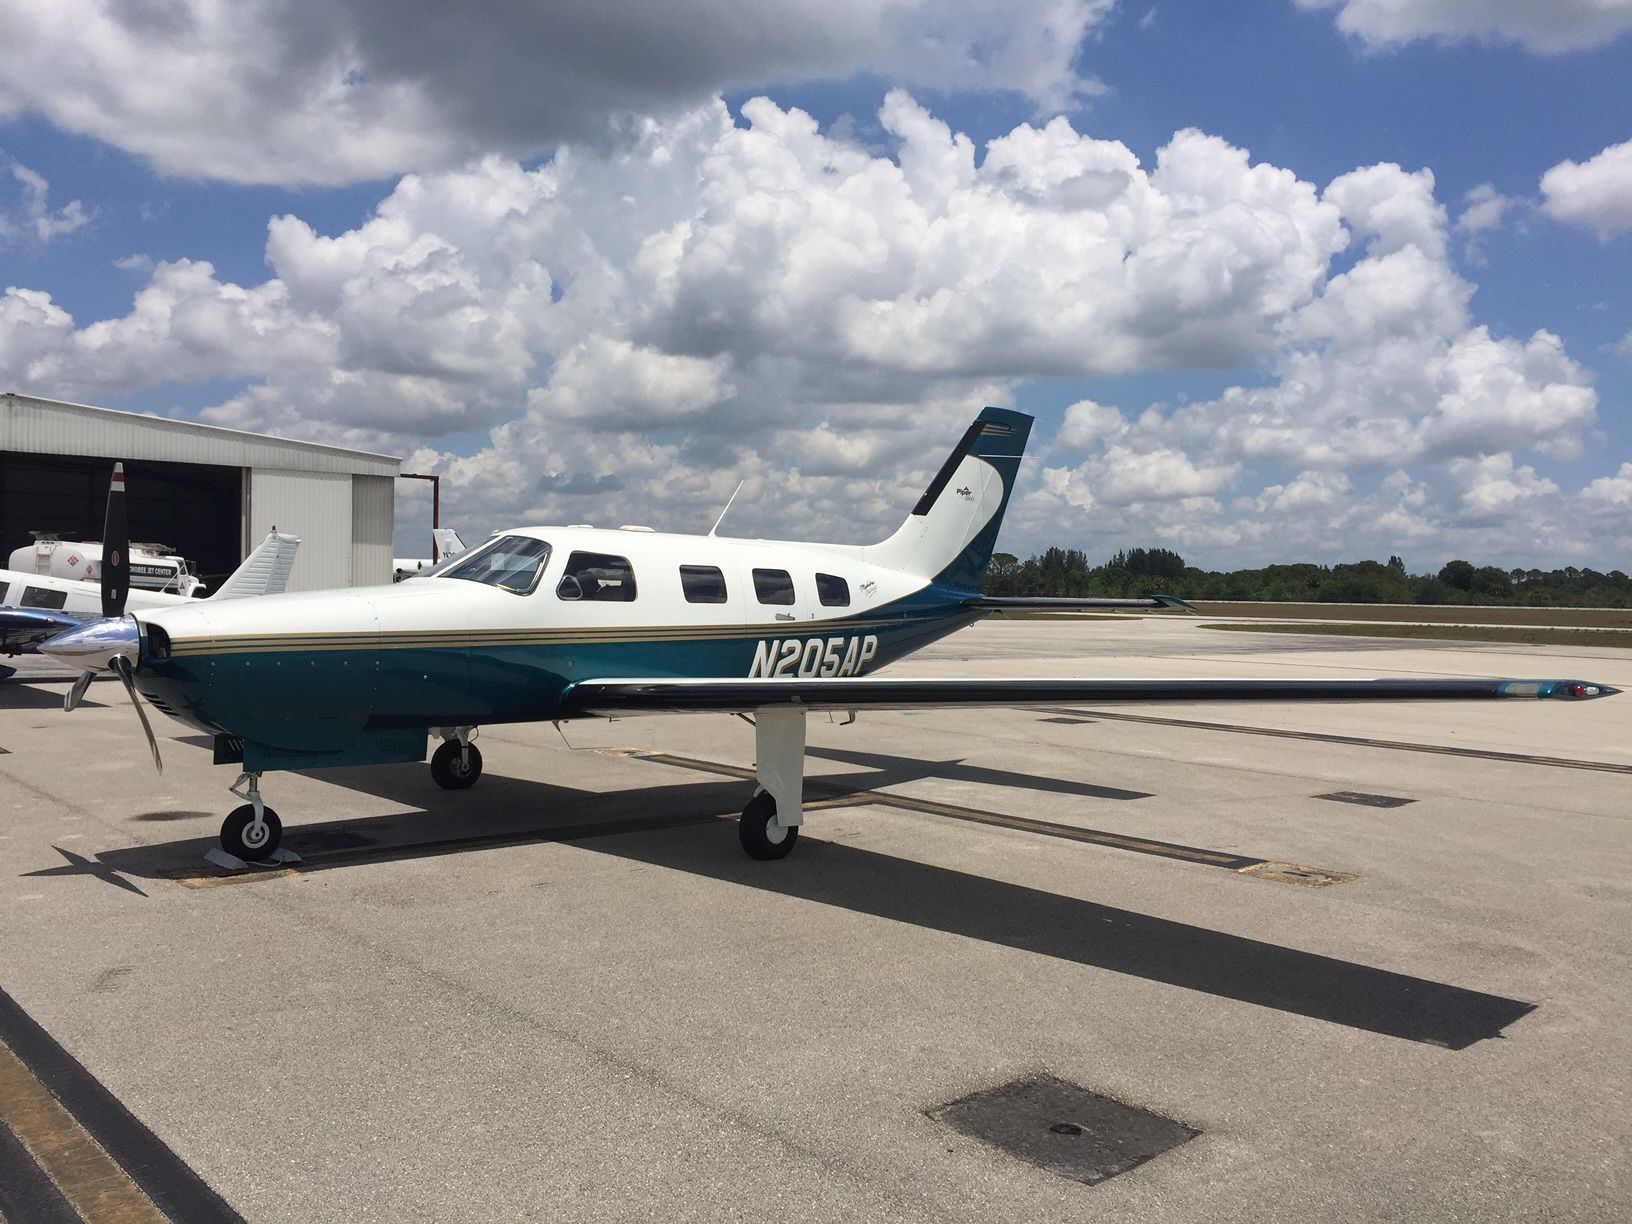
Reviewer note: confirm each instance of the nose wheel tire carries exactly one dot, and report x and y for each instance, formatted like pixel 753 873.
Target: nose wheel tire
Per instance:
pixel 453 771
pixel 243 838
pixel 759 833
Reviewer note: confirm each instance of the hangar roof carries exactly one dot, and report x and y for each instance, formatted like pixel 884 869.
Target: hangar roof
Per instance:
pixel 51 427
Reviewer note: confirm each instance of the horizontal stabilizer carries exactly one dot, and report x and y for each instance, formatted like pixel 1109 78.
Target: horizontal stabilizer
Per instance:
pixel 665 696
pixel 1026 603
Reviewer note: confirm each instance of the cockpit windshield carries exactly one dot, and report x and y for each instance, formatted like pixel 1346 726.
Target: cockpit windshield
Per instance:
pixel 511 562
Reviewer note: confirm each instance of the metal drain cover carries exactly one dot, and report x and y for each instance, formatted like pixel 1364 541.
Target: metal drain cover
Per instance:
pixel 1295 873
pixel 1365 800
pixel 1063 1128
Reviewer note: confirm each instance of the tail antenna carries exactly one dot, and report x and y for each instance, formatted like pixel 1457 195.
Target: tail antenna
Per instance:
pixel 728 502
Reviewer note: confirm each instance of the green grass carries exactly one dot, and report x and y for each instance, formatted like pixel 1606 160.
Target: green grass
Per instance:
pixel 1472 614
pixel 1454 633
pixel 1070 616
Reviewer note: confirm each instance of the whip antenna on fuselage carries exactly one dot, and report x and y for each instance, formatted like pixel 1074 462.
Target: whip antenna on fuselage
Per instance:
pixel 728 502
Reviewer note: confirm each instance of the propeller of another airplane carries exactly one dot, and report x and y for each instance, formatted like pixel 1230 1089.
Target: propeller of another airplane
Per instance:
pixel 113 574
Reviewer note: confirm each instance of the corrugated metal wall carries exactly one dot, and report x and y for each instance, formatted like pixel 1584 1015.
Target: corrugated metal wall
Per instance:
pixel 52 427
pixel 316 506
pixel 339 502
pixel 373 521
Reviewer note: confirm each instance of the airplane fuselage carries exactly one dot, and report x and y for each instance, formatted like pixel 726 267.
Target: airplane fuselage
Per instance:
pixel 353 677
pixel 23 589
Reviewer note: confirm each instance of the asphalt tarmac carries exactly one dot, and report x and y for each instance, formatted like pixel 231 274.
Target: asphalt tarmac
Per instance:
pixel 567 995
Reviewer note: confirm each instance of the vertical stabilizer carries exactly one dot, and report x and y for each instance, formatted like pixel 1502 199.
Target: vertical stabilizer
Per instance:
pixel 949 535
pixel 445 543
pixel 265 571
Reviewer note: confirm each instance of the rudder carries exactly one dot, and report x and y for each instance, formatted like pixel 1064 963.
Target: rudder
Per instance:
pixel 949 536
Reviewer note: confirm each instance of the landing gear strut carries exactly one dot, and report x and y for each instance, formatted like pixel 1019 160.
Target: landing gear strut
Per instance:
pixel 457 763
pixel 252 831
pixel 770 823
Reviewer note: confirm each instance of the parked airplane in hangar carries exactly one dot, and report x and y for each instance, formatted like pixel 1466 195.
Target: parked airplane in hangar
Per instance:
pixel 558 623
pixel 34 605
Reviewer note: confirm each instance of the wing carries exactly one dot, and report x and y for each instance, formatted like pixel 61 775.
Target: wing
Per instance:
pixel 1040 603
pixel 666 696
pixel 25 628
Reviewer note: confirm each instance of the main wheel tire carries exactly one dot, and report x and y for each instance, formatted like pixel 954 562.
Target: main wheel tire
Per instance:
pixel 241 837
pixel 453 771
pixel 759 833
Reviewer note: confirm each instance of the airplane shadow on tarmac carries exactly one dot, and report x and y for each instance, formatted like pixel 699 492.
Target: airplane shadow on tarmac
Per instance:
pixel 27 697
pixel 894 770
pixel 683 827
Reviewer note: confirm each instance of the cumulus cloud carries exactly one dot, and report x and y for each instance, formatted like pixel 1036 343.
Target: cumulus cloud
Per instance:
pixel 288 92
pixel 635 329
pixel 1483 209
pixel 1549 28
pixel 1596 193
pixel 1382 371
pixel 36 220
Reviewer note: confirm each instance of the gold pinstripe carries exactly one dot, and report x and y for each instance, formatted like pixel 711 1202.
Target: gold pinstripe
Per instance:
pixel 419 638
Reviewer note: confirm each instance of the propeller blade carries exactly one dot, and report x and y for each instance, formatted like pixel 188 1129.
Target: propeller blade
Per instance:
pixel 115 568
pixel 121 665
pixel 77 693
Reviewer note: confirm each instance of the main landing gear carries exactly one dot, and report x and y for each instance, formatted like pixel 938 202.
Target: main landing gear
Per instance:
pixel 456 763
pixel 253 831
pixel 769 827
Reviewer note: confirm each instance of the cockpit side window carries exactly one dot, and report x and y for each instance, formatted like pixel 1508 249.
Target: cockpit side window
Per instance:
pixel 773 586
pixel 512 563
pixel 43 597
pixel 597 577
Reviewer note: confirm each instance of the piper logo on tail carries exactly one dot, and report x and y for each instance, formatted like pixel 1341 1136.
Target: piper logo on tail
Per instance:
pixel 807 657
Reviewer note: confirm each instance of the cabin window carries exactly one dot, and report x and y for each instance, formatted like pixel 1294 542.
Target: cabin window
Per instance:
pixel 702 583
pixel 42 597
pixel 512 563
pixel 773 586
pixel 2 593
pixel 832 591
pixel 597 577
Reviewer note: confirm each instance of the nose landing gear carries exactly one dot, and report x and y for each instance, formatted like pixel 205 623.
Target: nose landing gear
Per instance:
pixel 252 831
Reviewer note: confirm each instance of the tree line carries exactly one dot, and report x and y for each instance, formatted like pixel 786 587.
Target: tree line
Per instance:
pixel 1161 571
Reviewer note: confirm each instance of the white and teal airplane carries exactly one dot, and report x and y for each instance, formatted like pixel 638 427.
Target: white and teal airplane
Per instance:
pixel 559 623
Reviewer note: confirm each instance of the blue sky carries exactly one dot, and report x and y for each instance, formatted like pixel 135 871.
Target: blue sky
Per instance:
pixel 1347 363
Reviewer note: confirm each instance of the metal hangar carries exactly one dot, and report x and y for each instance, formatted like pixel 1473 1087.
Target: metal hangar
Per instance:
pixel 209 493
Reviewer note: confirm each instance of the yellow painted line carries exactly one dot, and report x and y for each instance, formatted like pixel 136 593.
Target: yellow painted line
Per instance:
pixel 1022 824
pixel 1052 829
pixel 92 1182
pixel 1358 741
pixel 239 877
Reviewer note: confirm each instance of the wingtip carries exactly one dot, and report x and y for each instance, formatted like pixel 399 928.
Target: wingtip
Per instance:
pixel 1566 690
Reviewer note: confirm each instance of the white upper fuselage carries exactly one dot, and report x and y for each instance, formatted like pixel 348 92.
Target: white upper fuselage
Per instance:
pixel 438 604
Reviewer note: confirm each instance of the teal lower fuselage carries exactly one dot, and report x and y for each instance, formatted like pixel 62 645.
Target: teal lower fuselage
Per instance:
pixel 373 703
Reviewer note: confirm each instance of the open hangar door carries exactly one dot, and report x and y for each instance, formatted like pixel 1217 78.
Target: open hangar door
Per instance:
pixel 195 508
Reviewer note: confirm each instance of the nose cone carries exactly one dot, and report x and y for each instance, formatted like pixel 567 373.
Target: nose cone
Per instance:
pixel 93 645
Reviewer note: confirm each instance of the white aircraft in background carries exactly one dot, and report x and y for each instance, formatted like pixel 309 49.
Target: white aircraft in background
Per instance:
pixel 558 623
pixel 445 545
pixel 34 606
